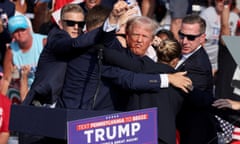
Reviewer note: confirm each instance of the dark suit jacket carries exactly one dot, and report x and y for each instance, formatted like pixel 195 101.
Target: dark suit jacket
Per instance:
pixel 199 70
pixel 50 73
pixel 82 82
pixel 195 116
pixel 168 100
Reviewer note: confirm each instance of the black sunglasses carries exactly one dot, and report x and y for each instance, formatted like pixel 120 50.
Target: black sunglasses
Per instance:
pixel 73 23
pixel 189 37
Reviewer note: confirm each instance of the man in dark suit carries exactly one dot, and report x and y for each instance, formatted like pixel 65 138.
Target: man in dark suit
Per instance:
pixel 196 122
pixel 62 43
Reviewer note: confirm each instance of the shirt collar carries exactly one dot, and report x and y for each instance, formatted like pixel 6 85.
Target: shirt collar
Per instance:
pixel 189 54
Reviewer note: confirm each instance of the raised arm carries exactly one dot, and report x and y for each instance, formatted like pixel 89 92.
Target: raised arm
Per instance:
pixel 7 71
pixel 24 81
pixel 64 44
pixel 225 29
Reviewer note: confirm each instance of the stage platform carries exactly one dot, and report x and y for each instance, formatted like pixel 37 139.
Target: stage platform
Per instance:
pixel 49 122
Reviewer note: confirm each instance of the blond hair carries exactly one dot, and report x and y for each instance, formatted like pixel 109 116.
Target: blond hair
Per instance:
pixel 168 50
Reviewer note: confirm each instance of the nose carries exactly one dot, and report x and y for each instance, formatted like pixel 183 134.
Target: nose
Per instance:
pixel 76 26
pixel 139 38
pixel 184 39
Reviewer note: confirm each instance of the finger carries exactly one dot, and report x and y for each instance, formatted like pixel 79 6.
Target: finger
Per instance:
pixel 183 73
pixel 132 6
pixel 188 80
pixel 221 104
pixel 224 106
pixel 184 89
pixel 190 87
pixel 132 12
pixel 216 104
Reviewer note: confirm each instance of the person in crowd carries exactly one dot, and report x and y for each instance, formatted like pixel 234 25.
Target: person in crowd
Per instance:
pixel 89 4
pixel 147 7
pixel 7 9
pixel 178 10
pixel 195 116
pixel 25 71
pixel 25 49
pixel 212 16
pixel 164 34
pixel 57 4
pixel 5 105
pixel 42 15
pixel 4 37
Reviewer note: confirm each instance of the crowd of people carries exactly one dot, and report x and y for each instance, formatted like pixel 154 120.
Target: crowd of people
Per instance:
pixel 116 55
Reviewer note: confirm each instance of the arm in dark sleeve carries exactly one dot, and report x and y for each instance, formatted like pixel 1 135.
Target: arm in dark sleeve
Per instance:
pixel 63 43
pixel 200 99
pixel 130 80
pixel 201 78
pixel 123 58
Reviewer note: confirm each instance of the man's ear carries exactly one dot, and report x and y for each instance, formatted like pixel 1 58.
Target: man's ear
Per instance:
pixel 203 39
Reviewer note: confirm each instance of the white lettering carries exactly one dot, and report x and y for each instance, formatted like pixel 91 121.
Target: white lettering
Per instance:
pixel 88 133
pixel 111 133
pixel 119 141
pixel 114 131
pixel 132 139
pixel 99 135
pixel 123 130
pixel 135 128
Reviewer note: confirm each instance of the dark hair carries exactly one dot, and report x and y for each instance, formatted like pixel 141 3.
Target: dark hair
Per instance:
pixel 195 18
pixel 166 32
pixel 96 16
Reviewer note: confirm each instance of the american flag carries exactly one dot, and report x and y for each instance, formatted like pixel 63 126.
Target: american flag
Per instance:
pixel 236 135
pixel 230 133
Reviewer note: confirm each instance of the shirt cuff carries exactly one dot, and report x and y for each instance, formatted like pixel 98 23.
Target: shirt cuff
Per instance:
pixel 164 81
pixel 107 27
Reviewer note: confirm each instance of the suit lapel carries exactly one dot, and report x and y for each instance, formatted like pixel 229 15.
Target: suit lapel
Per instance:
pixel 188 60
